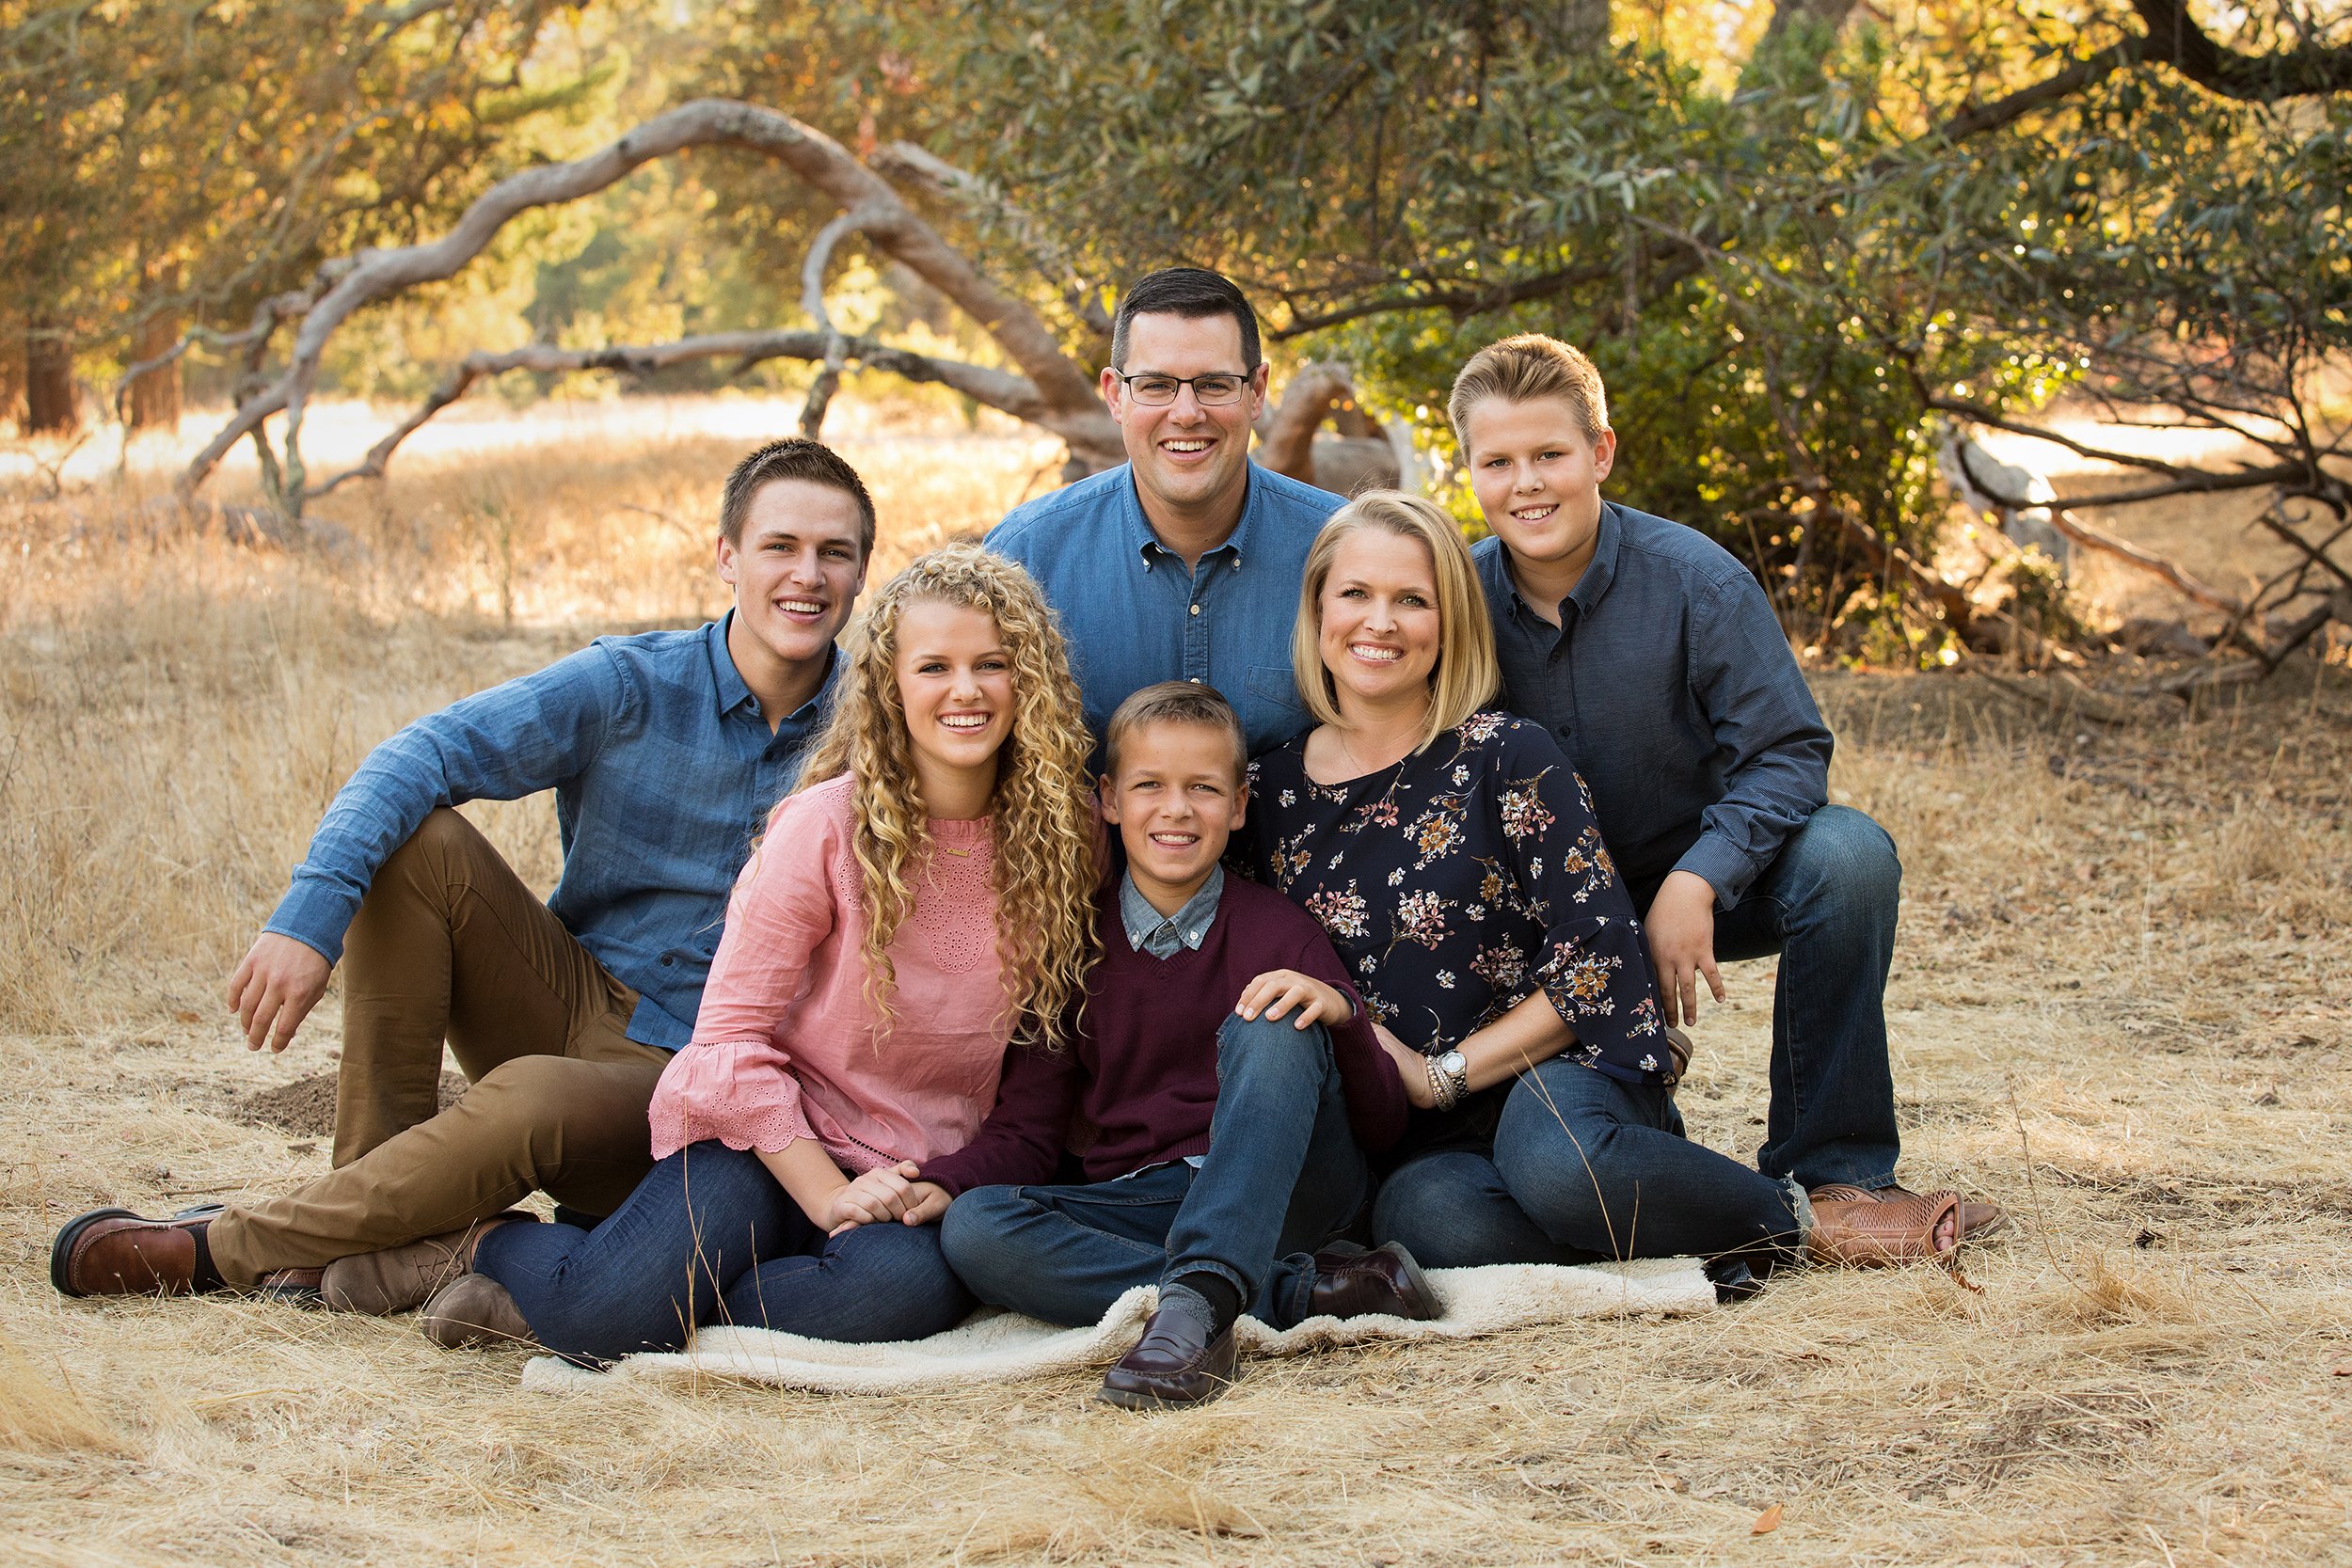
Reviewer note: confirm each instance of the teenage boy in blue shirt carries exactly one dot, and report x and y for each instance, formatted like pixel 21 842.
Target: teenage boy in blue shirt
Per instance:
pixel 665 751
pixel 1183 563
pixel 1654 657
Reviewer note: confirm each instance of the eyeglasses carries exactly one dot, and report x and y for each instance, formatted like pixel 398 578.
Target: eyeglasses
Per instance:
pixel 1156 391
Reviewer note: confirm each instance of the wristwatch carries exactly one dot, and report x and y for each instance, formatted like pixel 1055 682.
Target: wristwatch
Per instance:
pixel 1456 1070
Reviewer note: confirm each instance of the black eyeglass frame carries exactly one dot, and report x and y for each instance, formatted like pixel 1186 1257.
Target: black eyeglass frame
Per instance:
pixel 1183 381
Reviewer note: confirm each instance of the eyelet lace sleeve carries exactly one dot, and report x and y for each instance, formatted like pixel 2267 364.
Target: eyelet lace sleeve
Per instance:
pixel 742 1092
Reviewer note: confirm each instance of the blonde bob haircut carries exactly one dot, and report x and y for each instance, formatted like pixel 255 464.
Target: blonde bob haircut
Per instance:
pixel 1466 675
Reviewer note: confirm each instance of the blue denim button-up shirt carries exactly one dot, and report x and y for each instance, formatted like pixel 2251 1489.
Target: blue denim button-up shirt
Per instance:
pixel 1669 683
pixel 663 769
pixel 1133 614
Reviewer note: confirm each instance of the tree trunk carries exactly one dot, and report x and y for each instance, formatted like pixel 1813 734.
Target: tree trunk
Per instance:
pixel 12 379
pixel 50 405
pixel 155 396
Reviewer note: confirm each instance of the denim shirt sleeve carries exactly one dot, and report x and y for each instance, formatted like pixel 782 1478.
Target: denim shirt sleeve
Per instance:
pixel 1767 724
pixel 514 739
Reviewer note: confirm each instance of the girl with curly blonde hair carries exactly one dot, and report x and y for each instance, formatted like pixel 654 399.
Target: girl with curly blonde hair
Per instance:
pixel 923 900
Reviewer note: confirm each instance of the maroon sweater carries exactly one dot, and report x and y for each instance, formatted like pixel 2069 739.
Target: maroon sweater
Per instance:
pixel 1141 1069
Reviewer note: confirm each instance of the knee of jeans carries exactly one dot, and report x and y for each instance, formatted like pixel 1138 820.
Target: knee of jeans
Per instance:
pixel 1556 1169
pixel 972 1233
pixel 1423 1206
pixel 1845 855
pixel 1239 1037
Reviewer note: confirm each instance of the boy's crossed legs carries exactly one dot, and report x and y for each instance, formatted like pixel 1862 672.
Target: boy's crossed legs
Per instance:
pixel 1281 1178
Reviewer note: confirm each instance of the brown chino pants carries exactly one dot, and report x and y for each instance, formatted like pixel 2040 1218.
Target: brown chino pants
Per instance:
pixel 450 944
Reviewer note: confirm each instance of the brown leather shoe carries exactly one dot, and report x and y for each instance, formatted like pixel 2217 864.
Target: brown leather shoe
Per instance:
pixel 1385 1280
pixel 402 1278
pixel 474 1312
pixel 1854 1228
pixel 1175 1363
pixel 1977 1219
pixel 113 1252
pixel 291 1286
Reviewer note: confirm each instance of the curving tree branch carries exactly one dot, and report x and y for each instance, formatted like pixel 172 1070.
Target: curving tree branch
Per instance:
pixel 904 160
pixel 1062 384
pixel 2176 39
pixel 997 389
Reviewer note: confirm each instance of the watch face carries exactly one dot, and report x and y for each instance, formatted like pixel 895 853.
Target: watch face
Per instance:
pixel 1454 1063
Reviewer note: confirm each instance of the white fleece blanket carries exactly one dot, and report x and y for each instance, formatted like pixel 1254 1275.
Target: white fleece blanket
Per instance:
pixel 1006 1347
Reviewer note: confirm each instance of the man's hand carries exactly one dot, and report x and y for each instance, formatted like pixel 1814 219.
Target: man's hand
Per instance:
pixel 1278 991
pixel 1412 1069
pixel 892 1193
pixel 1681 924
pixel 275 987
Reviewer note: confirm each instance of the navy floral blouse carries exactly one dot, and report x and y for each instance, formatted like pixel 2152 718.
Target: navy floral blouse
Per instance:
pixel 1456 881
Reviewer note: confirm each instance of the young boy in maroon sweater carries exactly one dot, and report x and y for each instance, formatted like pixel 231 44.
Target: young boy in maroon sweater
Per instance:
pixel 1225 1074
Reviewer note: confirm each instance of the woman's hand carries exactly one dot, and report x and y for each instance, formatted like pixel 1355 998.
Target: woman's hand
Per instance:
pixel 1278 991
pixel 891 1193
pixel 1681 926
pixel 1412 1069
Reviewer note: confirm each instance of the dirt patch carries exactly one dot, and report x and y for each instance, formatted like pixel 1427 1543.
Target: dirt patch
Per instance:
pixel 306 1107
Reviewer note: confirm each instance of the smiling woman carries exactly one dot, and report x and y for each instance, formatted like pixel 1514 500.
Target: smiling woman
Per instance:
pixel 925 896
pixel 1453 857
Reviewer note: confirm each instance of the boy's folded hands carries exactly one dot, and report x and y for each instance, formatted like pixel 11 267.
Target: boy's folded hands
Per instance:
pixel 892 1193
pixel 1278 991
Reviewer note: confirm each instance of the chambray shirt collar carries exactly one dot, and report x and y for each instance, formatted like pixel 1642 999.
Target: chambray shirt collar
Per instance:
pixel 1598 573
pixel 1145 542
pixel 727 681
pixel 1150 931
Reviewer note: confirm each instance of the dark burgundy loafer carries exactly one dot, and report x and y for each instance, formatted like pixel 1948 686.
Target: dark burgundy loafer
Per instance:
pixel 1176 1364
pixel 1384 1280
pixel 113 1252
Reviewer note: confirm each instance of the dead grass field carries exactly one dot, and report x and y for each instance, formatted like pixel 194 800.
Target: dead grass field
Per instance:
pixel 2118 1008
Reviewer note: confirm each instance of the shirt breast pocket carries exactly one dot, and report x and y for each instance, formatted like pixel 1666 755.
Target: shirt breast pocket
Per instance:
pixel 1271 711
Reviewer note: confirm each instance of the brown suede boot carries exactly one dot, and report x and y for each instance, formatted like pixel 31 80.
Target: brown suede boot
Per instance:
pixel 474 1312
pixel 402 1278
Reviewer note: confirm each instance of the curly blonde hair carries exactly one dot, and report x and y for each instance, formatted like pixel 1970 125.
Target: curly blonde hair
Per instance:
pixel 1043 863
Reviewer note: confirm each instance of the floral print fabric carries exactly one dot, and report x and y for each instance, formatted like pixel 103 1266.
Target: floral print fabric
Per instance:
pixel 1458 881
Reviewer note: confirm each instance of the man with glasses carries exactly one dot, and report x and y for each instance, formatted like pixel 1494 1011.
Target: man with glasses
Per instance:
pixel 1184 562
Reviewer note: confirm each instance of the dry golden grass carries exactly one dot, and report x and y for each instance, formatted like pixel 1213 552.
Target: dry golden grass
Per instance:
pixel 2111 1012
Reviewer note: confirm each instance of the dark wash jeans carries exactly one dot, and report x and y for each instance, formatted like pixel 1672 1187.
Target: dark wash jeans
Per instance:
pixel 709 1236
pixel 1581 1168
pixel 1827 907
pixel 1281 1177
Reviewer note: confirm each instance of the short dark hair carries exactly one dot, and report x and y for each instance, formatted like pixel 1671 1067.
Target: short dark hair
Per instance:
pixel 794 458
pixel 1194 293
pixel 1175 703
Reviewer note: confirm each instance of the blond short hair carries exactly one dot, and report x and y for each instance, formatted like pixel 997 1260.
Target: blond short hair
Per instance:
pixel 1175 703
pixel 1525 368
pixel 1467 676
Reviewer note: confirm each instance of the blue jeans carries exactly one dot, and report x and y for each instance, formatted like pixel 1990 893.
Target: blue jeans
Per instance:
pixel 1066 1253
pixel 710 1237
pixel 1584 1168
pixel 1827 907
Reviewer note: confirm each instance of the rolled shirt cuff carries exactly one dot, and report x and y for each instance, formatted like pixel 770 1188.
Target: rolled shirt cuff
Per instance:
pixel 315 912
pixel 1727 867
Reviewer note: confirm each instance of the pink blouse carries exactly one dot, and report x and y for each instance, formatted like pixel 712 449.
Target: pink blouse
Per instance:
pixel 785 1046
